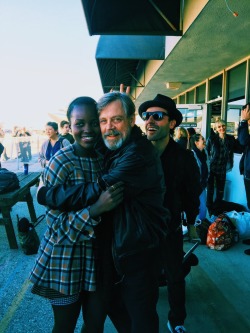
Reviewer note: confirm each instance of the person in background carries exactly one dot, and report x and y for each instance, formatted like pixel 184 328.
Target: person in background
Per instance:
pixel 65 128
pixel 65 271
pixel 181 136
pixel 190 132
pixel 52 145
pixel 2 134
pixel 4 153
pixel 15 130
pixel 1 151
pixel 198 145
pixel 244 139
pixel 221 148
pixel 24 144
pixel 183 189
pixel 15 143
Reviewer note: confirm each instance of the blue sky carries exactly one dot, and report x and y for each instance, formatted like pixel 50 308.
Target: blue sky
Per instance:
pixel 47 59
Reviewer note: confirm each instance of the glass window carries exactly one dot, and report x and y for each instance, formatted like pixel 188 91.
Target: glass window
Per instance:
pixel 190 97
pixel 236 96
pixel 182 99
pixel 237 82
pixel 233 115
pixel 201 93
pixel 215 87
pixel 192 115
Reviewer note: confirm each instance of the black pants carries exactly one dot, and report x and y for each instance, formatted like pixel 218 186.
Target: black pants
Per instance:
pixel 175 277
pixel 93 312
pixel 220 181
pixel 133 306
pixel 247 188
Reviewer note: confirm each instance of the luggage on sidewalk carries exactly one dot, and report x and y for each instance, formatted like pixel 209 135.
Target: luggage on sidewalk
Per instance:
pixel 221 233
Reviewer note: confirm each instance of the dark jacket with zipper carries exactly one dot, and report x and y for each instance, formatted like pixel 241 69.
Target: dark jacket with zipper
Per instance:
pixel 140 222
pixel 183 187
pixel 244 139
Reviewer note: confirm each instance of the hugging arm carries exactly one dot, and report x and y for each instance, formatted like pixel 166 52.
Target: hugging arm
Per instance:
pixel 67 198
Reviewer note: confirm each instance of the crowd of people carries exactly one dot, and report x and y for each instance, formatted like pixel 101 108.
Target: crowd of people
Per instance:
pixel 23 144
pixel 115 200
pixel 215 157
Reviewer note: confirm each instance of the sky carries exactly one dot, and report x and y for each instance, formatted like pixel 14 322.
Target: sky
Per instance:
pixel 47 58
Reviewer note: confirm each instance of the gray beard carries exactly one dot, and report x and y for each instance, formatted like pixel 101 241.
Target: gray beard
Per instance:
pixel 115 146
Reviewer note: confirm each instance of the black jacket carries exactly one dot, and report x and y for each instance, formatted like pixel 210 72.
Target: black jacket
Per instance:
pixel 244 139
pixel 232 146
pixel 182 178
pixel 140 222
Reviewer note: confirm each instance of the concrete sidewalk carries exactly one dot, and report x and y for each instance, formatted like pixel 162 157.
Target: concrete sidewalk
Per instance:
pixel 218 291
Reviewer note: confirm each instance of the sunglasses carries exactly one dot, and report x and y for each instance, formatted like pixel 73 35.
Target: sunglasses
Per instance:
pixel 157 115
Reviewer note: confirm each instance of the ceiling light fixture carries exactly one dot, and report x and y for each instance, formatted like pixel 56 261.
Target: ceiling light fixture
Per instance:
pixel 235 14
pixel 173 85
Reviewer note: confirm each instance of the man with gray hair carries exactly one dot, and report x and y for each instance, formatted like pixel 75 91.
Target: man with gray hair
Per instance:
pixel 139 222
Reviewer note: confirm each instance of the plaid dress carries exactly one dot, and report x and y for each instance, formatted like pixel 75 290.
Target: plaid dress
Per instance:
pixel 66 263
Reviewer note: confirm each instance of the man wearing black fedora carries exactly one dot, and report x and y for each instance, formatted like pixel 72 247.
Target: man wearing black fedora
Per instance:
pixel 182 194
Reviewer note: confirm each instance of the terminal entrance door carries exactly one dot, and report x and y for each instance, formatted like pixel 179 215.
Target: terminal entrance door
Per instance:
pixel 194 115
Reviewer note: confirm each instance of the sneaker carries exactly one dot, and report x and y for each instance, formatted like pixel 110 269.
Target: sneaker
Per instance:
pixel 176 329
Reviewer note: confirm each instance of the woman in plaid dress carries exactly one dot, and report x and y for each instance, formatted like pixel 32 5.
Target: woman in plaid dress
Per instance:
pixel 65 270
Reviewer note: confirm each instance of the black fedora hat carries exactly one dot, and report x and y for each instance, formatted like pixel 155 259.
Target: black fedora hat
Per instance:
pixel 166 103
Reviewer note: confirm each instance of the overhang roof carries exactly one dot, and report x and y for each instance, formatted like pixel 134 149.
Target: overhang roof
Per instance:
pixel 214 41
pixel 133 17
pixel 118 57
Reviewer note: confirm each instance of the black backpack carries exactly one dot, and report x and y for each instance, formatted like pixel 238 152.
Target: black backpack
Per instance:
pixel 27 235
pixel 8 181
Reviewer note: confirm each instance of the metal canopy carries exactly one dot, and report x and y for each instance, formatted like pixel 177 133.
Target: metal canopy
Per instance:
pixel 118 57
pixel 215 40
pixel 133 17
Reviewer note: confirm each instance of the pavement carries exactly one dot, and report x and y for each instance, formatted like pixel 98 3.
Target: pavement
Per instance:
pixel 217 290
